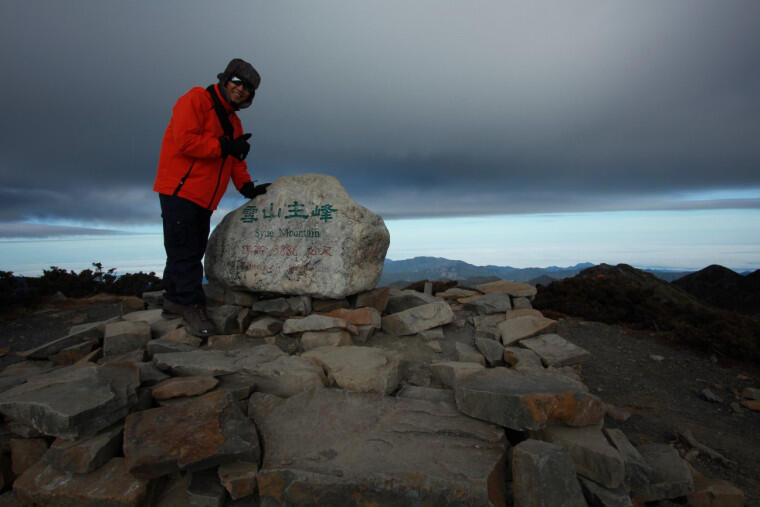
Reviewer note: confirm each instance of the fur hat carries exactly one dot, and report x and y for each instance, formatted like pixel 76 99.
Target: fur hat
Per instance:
pixel 245 71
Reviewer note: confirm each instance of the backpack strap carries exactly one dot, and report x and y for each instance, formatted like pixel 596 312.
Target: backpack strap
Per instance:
pixel 221 113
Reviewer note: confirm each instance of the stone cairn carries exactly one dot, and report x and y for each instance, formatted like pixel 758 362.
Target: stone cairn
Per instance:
pixel 321 389
pixel 460 397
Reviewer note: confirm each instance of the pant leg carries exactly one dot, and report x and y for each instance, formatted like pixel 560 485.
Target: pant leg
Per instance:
pixel 186 229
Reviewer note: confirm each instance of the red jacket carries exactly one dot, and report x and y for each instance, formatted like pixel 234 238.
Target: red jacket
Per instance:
pixel 191 165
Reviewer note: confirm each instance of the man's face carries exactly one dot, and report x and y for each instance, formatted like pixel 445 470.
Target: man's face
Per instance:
pixel 236 91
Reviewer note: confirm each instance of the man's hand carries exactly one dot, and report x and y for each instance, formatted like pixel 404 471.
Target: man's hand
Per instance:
pixel 250 191
pixel 240 147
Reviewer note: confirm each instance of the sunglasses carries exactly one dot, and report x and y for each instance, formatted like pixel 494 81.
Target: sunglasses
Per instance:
pixel 241 82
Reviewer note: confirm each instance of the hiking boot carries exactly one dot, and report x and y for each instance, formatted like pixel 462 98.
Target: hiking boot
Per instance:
pixel 197 321
pixel 172 309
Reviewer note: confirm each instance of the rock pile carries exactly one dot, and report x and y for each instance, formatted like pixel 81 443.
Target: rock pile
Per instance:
pixel 465 397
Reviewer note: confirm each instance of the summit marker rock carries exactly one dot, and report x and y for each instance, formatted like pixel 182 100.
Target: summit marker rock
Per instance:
pixel 305 236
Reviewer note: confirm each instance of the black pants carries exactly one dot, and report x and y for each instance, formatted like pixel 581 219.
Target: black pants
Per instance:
pixel 186 228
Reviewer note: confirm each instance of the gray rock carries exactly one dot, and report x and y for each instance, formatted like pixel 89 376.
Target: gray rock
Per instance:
pixel 77 334
pixel 492 350
pixel 418 318
pixel 489 304
pixel 384 450
pixel 427 393
pixel 435 333
pixel 73 401
pixel 335 338
pixel 126 336
pixel 522 359
pixel 544 476
pixel 518 328
pixel 153 299
pixel 598 496
pixel 400 300
pixel 364 369
pixel 594 457
pixel 637 471
pixel 215 362
pixel 85 455
pixel 283 308
pixel 671 477
pixel 286 376
pixel 526 400
pixel 316 322
pixel 239 478
pixel 449 373
pixel 467 354
pixel 555 350
pixel 227 296
pixel 456 293
pixel 163 345
pixel 304 236
pixel 263 327
pixel 365 333
pixel 150 375
pixel 521 303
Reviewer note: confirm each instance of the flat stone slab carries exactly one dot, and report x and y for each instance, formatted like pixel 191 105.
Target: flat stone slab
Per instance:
pixel 363 369
pixel 543 475
pixel 519 328
pixel 215 362
pixel 555 350
pixel 418 318
pixel 178 387
pixel 527 400
pixel 449 373
pixel 287 376
pixel 671 476
pixel 316 322
pixel 593 455
pixel 489 304
pixel 383 450
pixel 201 433
pixel 87 454
pixel 111 484
pixel 73 401
pixel 335 338
pixel 78 334
pixel 514 289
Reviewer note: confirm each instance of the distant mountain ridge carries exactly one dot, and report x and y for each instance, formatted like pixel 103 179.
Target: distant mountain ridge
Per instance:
pixel 437 268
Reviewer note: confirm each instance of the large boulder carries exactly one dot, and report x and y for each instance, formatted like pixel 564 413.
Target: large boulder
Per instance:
pixel 304 236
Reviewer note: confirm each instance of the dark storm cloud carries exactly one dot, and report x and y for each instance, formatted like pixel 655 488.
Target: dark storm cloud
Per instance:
pixel 419 108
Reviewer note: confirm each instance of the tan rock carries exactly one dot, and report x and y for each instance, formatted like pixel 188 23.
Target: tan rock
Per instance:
pixel 513 330
pixel 239 478
pixel 555 350
pixel 751 393
pixel 522 312
pixel 521 359
pixel 449 373
pixel 335 338
pixel 359 317
pixel 183 386
pixel 514 289
pixel 363 369
pixel 418 318
pixel 752 404
pixel 315 322
pixel 85 455
pixel 375 298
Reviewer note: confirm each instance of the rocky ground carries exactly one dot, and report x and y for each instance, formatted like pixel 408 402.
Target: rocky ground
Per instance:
pixel 670 392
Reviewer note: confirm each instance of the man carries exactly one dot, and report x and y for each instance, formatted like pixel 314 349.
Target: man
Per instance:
pixel 203 147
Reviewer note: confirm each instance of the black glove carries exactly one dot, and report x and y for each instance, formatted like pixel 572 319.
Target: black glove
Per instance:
pixel 240 147
pixel 250 191
pixel 237 147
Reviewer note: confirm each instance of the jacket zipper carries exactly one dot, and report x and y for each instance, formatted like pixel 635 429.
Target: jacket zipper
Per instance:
pixel 182 181
pixel 218 180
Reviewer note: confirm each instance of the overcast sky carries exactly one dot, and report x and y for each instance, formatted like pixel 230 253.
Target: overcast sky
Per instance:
pixel 420 108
